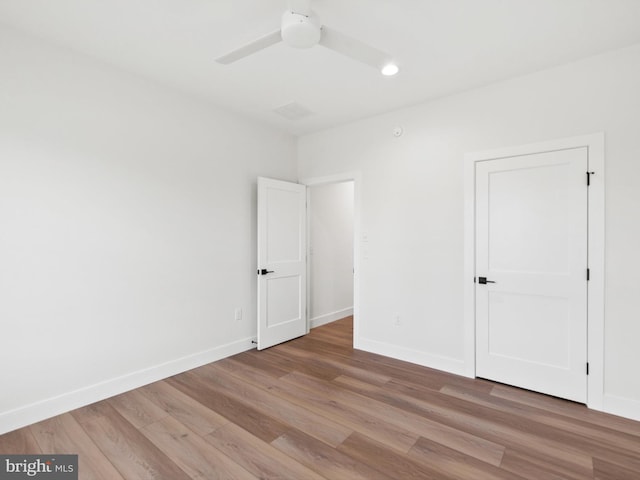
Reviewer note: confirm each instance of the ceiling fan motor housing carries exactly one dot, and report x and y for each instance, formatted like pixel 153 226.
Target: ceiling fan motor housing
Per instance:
pixel 300 31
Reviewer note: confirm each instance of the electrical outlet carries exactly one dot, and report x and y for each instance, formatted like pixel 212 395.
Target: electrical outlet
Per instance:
pixel 238 314
pixel 396 320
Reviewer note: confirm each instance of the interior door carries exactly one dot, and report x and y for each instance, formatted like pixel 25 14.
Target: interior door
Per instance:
pixel 281 262
pixel 531 250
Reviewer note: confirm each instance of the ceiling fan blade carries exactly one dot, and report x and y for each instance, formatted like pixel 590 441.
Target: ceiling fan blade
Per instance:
pixel 249 48
pixel 352 48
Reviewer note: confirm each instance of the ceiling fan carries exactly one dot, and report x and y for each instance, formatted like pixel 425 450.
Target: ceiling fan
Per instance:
pixel 301 28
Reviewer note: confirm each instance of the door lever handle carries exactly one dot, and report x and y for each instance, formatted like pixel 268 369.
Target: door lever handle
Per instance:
pixel 264 271
pixel 483 280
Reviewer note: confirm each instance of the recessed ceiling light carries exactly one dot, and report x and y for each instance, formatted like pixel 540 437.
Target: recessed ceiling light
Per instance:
pixel 389 69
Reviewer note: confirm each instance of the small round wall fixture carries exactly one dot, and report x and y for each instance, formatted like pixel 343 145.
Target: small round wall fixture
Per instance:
pixel 397 132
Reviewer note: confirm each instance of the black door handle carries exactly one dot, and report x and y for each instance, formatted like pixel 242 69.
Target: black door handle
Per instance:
pixel 483 280
pixel 264 271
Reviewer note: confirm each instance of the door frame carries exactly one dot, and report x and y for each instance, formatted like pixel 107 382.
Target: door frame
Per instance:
pixel 596 252
pixel 354 177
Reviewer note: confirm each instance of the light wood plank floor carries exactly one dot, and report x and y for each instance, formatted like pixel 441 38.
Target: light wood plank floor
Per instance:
pixel 315 408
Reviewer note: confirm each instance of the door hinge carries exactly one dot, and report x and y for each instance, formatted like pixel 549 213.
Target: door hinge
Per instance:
pixel 589 177
pixel 587 368
pixel 588 274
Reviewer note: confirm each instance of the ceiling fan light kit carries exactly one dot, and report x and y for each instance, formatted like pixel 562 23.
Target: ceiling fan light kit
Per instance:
pixel 301 28
pixel 300 31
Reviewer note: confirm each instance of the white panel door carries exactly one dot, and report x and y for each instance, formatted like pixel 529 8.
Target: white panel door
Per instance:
pixel 281 261
pixel 531 248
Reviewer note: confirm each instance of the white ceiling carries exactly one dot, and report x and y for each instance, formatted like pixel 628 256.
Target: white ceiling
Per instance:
pixel 442 47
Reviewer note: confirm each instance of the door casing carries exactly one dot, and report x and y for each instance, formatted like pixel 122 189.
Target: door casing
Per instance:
pixel 595 303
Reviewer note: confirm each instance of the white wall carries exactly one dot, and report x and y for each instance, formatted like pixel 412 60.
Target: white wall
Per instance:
pixel 331 252
pixel 412 204
pixel 127 236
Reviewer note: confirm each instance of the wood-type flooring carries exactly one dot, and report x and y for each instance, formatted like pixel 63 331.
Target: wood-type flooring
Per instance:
pixel 315 408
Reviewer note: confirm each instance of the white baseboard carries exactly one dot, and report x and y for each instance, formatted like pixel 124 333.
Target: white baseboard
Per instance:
pixel 50 407
pixel 621 406
pixel 438 362
pixel 330 317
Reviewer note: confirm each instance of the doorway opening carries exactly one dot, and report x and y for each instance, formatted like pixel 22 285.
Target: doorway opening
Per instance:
pixel 330 213
pixel 284 290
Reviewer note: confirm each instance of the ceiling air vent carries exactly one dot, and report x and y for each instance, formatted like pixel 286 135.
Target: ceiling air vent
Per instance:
pixel 293 111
